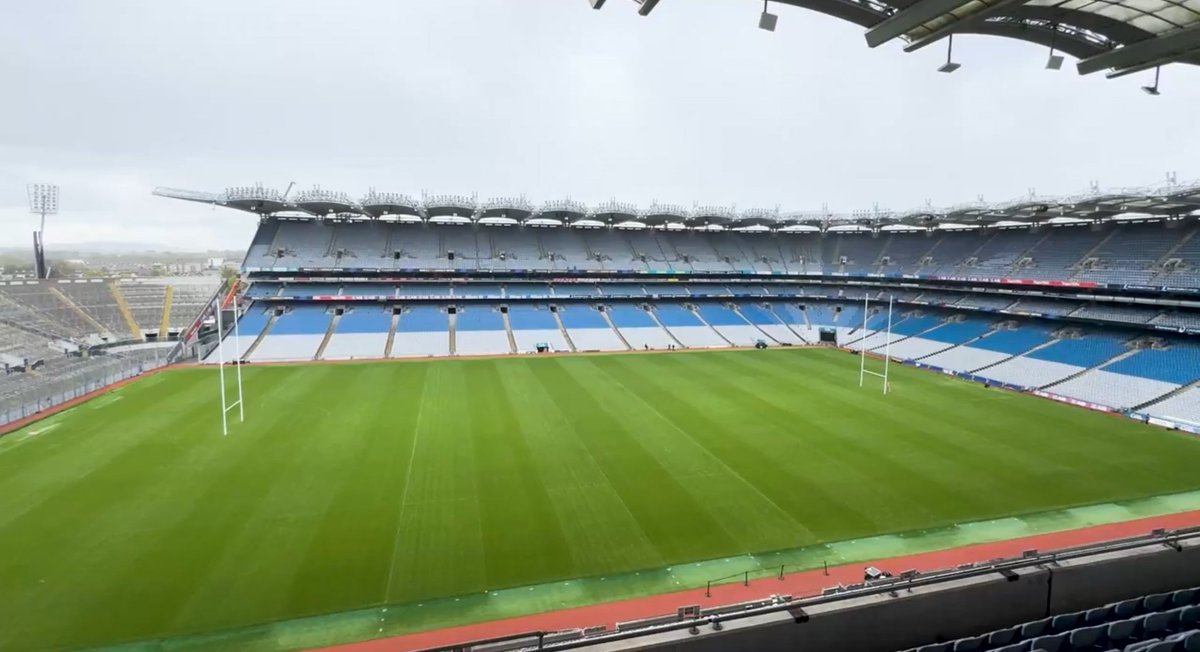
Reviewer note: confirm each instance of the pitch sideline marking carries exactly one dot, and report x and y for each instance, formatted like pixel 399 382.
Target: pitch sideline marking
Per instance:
pixel 707 452
pixel 407 483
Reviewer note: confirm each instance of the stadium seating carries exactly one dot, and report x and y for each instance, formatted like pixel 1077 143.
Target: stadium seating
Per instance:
pixel 423 330
pixel 479 330
pixel 769 323
pixel 1122 253
pixel 730 325
pixel 1162 622
pixel 589 330
pixel 638 328
pixel 1183 407
pixel 533 325
pixel 686 327
pixel 361 332
pixel 296 335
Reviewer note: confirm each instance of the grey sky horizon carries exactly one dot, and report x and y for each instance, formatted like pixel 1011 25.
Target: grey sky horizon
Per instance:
pixel 545 98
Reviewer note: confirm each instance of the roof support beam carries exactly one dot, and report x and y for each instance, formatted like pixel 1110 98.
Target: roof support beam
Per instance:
pixel 956 25
pixel 1162 61
pixel 1145 54
pixel 904 21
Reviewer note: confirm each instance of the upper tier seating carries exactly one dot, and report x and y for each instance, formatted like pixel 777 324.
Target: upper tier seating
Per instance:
pixel 1122 253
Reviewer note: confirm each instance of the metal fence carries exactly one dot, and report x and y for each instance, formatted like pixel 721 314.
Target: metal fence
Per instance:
pixel 26 394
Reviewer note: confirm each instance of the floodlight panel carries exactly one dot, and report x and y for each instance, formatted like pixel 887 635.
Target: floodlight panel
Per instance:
pixel 768 21
pixel 1055 62
pixel 43 198
pixel 949 66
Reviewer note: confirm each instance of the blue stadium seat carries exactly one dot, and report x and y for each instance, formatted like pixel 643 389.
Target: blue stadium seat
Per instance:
pixel 626 316
pixel 1023 646
pixel 1085 352
pixel 423 319
pixel 1183 597
pixel 302 320
pixel 1179 364
pixel 757 314
pixel 1014 342
pixel 580 316
pixel 525 317
pixel 479 318
pixel 366 319
pixel 673 314
pixel 718 315
pixel 957 333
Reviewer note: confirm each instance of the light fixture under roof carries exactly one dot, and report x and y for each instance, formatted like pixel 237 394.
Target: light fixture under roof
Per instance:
pixel 949 66
pixel 767 20
pixel 1153 90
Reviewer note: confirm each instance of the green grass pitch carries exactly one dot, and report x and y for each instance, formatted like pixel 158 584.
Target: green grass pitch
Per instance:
pixel 349 485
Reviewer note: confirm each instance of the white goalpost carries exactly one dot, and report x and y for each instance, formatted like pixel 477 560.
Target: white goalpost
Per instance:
pixel 887 347
pixel 226 406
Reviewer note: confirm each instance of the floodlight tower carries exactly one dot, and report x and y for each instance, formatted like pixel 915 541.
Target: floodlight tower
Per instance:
pixel 43 200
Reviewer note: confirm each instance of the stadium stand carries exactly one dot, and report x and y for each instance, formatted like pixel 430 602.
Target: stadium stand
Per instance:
pixel 638 328
pixel 422 330
pixel 479 330
pixel 589 330
pixel 535 325
pixel 361 332
pixel 297 334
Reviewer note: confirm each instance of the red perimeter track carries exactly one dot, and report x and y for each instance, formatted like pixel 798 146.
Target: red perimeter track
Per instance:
pixel 804 584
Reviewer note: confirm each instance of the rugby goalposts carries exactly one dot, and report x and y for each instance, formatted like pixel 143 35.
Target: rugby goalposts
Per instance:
pixel 226 406
pixel 887 347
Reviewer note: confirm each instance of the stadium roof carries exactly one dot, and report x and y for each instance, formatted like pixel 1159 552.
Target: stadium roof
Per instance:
pixel 1121 36
pixel 1169 200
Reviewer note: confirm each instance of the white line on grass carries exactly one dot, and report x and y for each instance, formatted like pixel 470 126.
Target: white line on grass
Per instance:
pixel 407 483
pixel 709 453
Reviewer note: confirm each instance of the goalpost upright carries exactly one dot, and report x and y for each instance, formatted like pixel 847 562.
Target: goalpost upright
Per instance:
pixel 887 347
pixel 237 347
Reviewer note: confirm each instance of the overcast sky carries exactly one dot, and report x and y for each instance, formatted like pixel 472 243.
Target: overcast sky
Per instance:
pixel 542 97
